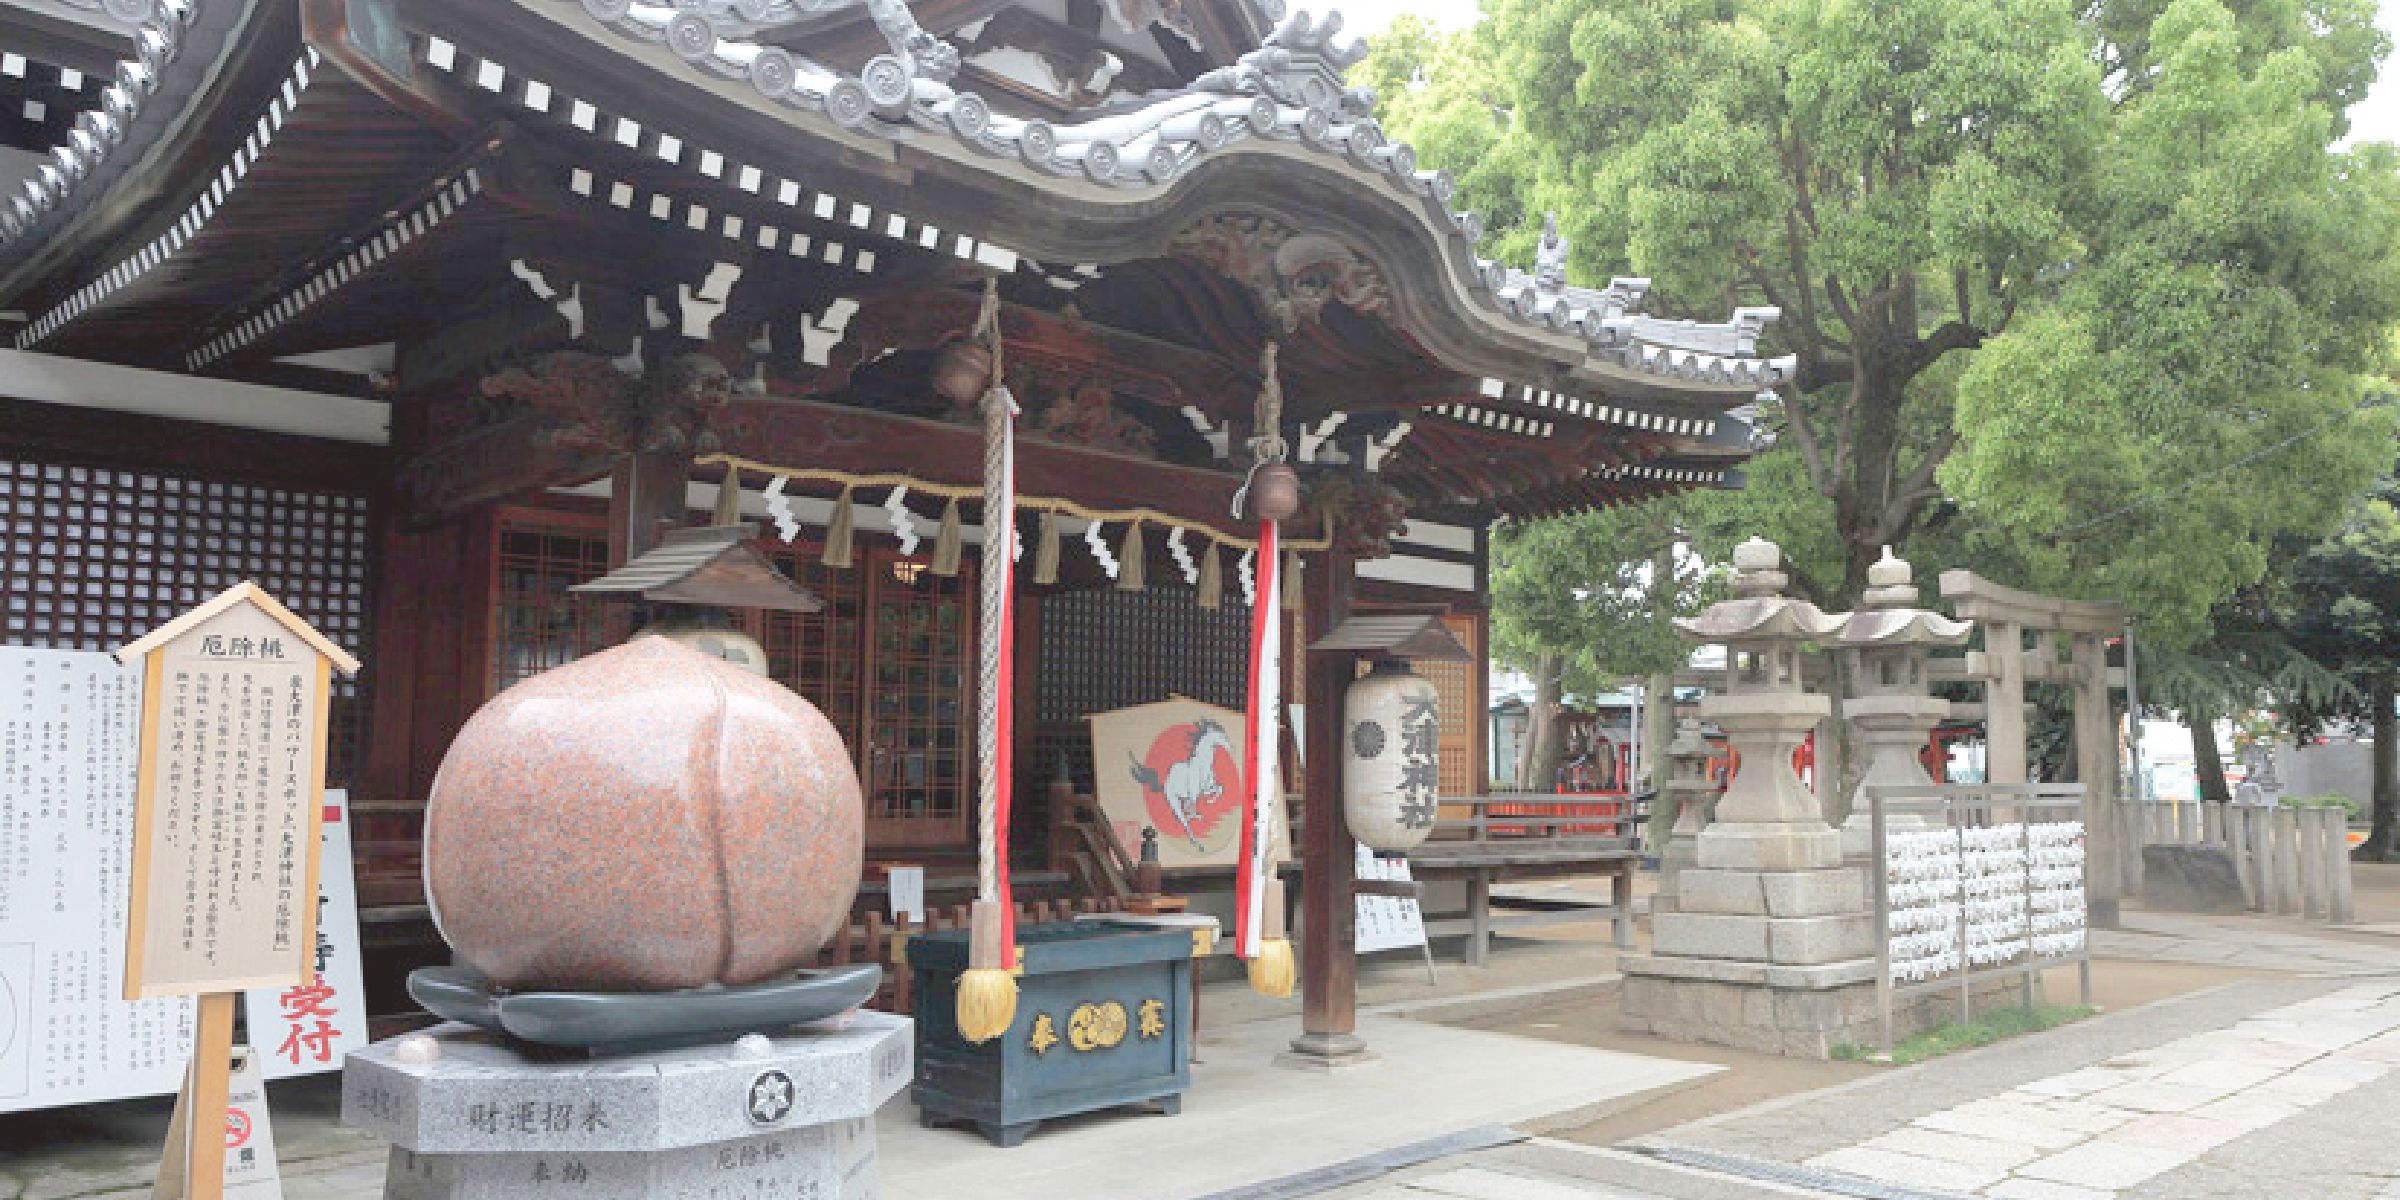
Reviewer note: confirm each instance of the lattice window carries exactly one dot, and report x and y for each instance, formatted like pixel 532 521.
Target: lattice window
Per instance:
pixel 818 654
pixel 537 624
pixel 93 557
pixel 1462 719
pixel 1104 649
pixel 919 767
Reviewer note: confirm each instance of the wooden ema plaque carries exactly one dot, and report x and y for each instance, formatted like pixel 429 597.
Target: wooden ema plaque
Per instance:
pixel 228 801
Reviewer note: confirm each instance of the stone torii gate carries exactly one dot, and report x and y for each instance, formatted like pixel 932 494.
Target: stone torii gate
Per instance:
pixel 2068 645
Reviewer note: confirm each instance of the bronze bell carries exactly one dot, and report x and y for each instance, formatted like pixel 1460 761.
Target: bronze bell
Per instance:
pixel 962 371
pixel 1275 492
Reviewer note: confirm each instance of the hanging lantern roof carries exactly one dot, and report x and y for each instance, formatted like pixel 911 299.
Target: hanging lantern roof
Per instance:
pixel 714 566
pixel 1416 637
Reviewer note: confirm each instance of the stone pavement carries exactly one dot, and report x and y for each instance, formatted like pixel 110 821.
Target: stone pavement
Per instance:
pixel 2270 1088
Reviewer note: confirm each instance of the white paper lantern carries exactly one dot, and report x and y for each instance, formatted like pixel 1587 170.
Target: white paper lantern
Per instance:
pixel 1391 761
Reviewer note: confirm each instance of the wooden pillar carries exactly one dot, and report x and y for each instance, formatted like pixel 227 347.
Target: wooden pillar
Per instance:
pixel 647 487
pixel 1329 867
pixel 2004 703
pixel 2096 766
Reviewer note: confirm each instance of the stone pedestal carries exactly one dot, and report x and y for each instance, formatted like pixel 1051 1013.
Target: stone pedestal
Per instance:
pixel 477 1116
pixel 1895 729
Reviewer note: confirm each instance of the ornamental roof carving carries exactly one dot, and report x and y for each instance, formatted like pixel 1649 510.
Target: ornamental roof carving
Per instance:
pixel 1291 89
pixel 1294 275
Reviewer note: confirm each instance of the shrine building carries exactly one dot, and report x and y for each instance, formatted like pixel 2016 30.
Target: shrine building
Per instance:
pixel 421 313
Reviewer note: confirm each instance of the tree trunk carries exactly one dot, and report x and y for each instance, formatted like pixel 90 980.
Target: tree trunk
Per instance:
pixel 1545 748
pixel 1878 394
pixel 2205 759
pixel 2385 752
pixel 1658 730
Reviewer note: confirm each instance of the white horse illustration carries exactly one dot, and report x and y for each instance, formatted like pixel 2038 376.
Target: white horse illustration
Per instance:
pixel 1191 781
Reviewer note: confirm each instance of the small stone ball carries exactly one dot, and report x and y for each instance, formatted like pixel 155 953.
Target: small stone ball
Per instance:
pixel 417 1050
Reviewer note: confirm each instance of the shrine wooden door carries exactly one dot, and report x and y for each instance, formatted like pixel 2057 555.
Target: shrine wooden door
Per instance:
pixel 918 729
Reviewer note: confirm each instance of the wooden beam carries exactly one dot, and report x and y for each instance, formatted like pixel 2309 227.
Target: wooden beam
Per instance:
pixel 493 463
pixel 1156 372
pixel 784 431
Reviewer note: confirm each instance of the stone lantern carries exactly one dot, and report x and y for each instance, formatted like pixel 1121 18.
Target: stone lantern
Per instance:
pixel 1884 644
pixel 1771 942
pixel 1689 794
pixel 1768 819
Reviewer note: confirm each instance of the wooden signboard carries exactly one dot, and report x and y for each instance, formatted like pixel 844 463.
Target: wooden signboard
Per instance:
pixel 1175 766
pixel 228 794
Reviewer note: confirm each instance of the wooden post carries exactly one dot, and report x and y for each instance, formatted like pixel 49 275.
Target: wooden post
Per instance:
pixel 647 488
pixel 2130 839
pixel 2096 766
pixel 2315 831
pixel 2340 907
pixel 2265 872
pixel 2287 862
pixel 2237 842
pixel 1329 867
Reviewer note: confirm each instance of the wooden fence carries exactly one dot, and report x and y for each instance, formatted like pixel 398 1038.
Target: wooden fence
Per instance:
pixel 2293 861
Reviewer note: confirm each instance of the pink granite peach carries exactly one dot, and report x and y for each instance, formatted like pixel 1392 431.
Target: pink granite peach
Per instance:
pixel 645 819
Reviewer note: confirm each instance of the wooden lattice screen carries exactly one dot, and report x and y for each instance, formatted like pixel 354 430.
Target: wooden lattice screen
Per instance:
pixel 538 624
pixel 98 556
pixel 818 654
pixel 1105 649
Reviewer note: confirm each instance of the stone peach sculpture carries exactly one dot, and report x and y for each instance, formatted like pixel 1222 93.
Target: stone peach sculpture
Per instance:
pixel 648 818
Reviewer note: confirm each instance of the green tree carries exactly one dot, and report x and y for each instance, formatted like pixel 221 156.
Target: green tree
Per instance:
pixel 2037 260
pixel 1582 602
pixel 2344 611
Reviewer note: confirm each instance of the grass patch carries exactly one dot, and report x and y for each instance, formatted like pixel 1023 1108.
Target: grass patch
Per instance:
pixel 1982 1031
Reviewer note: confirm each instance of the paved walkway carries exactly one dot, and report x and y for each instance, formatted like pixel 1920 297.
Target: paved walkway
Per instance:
pixel 2270 1088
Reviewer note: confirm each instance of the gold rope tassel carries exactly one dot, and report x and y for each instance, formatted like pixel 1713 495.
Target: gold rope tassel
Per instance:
pixel 1045 550
pixel 987 993
pixel 1131 575
pixel 729 498
pixel 1274 970
pixel 1212 581
pixel 948 543
pixel 1290 583
pixel 837 535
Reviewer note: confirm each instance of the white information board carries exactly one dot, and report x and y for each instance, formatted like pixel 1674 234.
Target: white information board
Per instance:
pixel 1387 922
pixel 69 728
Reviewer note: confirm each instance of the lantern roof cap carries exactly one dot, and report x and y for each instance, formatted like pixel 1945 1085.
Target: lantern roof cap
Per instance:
pixel 1418 637
pixel 1760 618
pixel 1901 627
pixel 713 566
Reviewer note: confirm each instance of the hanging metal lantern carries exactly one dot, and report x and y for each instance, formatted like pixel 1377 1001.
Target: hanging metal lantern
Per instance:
pixel 962 371
pixel 1274 492
pixel 1391 758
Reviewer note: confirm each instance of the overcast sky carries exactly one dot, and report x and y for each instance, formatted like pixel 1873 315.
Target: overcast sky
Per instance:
pixel 2377 118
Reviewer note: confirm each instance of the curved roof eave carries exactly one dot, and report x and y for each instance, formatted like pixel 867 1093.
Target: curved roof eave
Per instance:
pixel 1276 135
